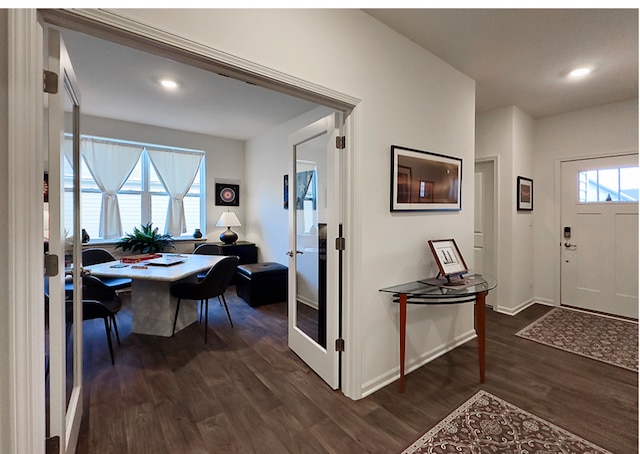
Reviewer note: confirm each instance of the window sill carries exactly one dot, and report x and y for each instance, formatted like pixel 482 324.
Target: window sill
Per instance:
pixel 111 243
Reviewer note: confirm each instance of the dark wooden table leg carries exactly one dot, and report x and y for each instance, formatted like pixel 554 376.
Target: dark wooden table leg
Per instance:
pixel 403 336
pixel 480 311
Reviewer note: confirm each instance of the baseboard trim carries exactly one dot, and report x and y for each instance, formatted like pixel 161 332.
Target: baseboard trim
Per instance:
pixel 412 364
pixel 519 308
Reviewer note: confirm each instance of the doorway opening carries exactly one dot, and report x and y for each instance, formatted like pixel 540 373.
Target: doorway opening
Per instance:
pixel 188 57
pixel 485 231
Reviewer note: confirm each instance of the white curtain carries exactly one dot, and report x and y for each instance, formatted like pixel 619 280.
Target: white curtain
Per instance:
pixel 176 170
pixel 110 165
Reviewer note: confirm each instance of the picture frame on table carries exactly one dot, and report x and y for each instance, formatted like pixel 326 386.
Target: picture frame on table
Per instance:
pixel 524 194
pixel 448 257
pixel 424 181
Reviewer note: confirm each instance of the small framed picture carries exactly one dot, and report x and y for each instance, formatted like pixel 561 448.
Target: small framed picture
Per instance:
pixel 525 194
pixel 448 257
pixel 285 201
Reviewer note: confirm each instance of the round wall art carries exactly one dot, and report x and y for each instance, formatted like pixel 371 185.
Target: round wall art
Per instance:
pixel 227 194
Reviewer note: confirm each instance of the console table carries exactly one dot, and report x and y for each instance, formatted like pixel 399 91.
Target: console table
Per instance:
pixel 434 291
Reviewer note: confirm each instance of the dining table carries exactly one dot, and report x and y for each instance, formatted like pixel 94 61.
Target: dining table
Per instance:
pixel 152 306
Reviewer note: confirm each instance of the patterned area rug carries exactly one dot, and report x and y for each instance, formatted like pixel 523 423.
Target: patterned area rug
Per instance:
pixel 600 337
pixel 487 424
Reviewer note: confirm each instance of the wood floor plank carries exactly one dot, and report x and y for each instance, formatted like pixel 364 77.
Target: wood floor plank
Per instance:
pixel 245 391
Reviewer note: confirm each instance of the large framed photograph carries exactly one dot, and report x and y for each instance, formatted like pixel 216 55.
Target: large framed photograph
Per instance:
pixel 424 181
pixel 448 257
pixel 525 194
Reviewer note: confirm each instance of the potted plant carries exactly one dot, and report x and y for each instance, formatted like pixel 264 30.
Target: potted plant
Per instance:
pixel 146 240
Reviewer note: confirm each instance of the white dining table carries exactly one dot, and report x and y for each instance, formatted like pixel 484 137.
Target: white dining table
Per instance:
pixel 152 305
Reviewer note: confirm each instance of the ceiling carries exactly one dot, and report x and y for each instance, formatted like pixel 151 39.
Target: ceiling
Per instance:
pixel 517 57
pixel 521 56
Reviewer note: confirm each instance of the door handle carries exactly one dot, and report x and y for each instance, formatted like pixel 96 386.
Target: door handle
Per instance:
pixel 569 245
pixel 290 253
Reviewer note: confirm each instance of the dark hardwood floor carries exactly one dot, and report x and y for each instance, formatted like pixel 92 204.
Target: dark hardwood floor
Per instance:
pixel 246 392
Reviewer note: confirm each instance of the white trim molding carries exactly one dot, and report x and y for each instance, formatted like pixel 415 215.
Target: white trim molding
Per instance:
pixel 24 243
pixel 131 31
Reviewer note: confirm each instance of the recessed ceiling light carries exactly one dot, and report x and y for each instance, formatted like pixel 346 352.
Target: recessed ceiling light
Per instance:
pixel 169 84
pixel 579 72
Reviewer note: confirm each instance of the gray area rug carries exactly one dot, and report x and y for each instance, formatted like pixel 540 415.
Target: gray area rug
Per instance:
pixel 487 424
pixel 600 337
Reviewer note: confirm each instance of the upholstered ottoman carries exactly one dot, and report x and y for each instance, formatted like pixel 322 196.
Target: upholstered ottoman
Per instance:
pixel 262 283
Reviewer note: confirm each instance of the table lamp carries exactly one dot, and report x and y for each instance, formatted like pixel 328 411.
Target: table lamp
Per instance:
pixel 228 219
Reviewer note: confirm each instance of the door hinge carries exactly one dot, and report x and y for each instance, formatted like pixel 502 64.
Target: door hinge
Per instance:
pixel 50 265
pixel 339 345
pixel 52 445
pixel 50 82
pixel 341 244
pixel 341 142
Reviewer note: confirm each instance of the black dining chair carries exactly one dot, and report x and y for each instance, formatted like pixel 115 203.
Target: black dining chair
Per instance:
pixel 101 301
pixel 98 301
pixel 214 284
pixel 93 256
pixel 207 249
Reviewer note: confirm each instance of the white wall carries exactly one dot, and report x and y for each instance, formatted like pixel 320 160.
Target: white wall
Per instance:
pixel 597 131
pixel 508 134
pixel 224 159
pixel 523 246
pixel 410 98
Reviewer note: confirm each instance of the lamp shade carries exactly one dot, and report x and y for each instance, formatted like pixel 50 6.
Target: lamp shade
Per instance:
pixel 228 219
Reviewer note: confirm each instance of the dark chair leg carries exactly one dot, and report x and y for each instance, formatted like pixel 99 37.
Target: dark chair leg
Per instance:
pixel 206 320
pixel 108 331
pixel 200 315
pixel 115 327
pixel 227 308
pixel 175 319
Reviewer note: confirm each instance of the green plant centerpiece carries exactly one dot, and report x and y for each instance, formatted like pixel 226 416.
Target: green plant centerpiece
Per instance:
pixel 146 240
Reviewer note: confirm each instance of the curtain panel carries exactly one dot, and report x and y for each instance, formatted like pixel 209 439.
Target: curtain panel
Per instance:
pixel 110 165
pixel 176 170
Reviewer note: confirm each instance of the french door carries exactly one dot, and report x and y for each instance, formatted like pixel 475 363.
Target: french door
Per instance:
pixel 64 379
pixel 314 223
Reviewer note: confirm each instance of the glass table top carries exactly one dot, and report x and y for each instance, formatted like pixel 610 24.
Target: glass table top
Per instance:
pixel 430 288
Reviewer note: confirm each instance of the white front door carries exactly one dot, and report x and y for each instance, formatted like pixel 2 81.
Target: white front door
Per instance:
pixel 314 217
pixel 65 318
pixel 599 234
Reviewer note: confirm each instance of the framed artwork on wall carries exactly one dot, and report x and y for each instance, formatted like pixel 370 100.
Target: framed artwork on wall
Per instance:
pixel 227 194
pixel 525 194
pixel 424 181
pixel 285 200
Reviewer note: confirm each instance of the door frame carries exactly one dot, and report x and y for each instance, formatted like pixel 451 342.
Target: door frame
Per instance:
pixel 25 167
pixel 557 253
pixel 26 428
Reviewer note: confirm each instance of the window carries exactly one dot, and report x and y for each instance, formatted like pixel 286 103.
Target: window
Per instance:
pixel 609 185
pixel 143 196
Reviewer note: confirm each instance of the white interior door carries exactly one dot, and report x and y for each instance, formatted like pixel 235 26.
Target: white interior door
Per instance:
pixel 484 223
pixel 65 318
pixel 314 216
pixel 599 234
